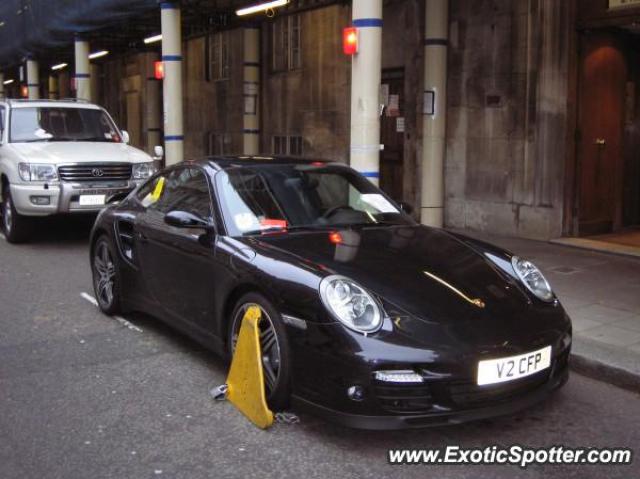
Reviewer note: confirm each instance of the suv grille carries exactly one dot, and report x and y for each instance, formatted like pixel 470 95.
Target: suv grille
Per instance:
pixel 95 172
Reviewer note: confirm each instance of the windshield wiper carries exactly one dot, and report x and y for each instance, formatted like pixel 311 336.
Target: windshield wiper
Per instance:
pixel 35 140
pixel 61 138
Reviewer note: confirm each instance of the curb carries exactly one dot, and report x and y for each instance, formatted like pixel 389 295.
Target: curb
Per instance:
pixel 606 373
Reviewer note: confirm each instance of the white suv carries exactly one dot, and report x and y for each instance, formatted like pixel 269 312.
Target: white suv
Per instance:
pixel 62 156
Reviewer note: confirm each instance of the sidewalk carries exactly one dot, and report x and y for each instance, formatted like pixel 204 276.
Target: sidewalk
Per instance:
pixel 601 293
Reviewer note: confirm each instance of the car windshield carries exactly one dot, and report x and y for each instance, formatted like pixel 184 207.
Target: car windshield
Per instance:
pixel 35 124
pixel 261 198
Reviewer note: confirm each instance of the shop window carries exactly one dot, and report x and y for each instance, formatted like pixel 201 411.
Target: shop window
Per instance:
pixel 219 143
pixel 287 145
pixel 286 44
pixel 219 57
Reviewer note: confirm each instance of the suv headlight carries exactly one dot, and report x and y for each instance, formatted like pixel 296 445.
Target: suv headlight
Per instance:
pixel 37 172
pixel 532 278
pixel 142 171
pixel 350 304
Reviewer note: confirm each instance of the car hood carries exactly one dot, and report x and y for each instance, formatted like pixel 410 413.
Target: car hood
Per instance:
pixel 78 152
pixel 423 271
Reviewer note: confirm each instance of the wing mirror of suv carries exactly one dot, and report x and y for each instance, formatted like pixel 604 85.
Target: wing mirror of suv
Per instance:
pixel 125 137
pixel 184 219
pixel 158 152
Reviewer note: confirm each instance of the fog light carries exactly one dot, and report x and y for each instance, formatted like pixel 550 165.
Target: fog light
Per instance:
pixel 399 376
pixel 356 393
pixel 40 200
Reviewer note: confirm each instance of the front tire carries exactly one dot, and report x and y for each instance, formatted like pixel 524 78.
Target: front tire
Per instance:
pixel 276 364
pixel 16 227
pixel 106 280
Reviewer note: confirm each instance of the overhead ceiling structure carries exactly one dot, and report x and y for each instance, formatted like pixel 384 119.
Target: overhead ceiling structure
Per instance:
pixel 46 28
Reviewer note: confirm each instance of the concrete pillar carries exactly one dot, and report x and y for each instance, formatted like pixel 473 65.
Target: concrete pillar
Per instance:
pixel 83 70
pixel 2 94
pixel 33 80
pixel 251 116
pixel 435 112
pixel 152 105
pixel 53 87
pixel 365 89
pixel 172 86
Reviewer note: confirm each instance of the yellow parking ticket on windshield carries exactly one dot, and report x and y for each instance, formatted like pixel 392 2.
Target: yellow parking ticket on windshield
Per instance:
pixel 157 192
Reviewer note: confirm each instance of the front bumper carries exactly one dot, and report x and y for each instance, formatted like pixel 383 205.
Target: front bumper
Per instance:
pixel 64 197
pixel 413 421
pixel 330 360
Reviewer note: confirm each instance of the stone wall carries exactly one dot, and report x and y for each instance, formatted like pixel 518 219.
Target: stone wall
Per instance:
pixel 507 116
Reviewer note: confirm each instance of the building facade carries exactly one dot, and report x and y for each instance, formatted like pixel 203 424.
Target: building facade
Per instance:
pixel 541 108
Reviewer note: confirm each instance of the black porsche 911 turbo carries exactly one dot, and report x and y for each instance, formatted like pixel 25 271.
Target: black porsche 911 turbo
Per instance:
pixel 368 318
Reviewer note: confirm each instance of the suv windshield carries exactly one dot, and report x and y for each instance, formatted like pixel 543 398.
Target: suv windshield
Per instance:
pixel 265 197
pixel 31 124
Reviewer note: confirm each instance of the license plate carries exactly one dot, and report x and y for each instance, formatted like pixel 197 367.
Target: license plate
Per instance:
pixel 92 200
pixel 493 371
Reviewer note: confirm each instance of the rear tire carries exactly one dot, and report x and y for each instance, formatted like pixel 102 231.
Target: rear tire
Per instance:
pixel 276 364
pixel 16 227
pixel 106 277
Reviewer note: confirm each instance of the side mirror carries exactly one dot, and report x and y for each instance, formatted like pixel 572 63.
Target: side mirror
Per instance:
pixel 125 137
pixel 158 152
pixel 184 219
pixel 406 207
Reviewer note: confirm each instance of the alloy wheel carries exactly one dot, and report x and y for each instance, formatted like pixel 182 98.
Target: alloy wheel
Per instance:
pixel 105 272
pixel 269 346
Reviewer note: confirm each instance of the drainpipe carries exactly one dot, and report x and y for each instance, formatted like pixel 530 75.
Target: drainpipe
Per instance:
pixel 53 87
pixel 251 66
pixel 365 89
pixel 172 105
pixel 33 82
pixel 83 72
pixel 435 112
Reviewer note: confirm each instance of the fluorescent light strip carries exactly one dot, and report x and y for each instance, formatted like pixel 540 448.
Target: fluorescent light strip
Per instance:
pixel 8 82
pixel 100 54
pixel 153 39
pixel 261 7
pixel 59 66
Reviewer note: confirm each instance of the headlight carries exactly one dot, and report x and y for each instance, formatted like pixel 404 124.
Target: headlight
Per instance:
pixel 350 304
pixel 37 172
pixel 142 171
pixel 532 278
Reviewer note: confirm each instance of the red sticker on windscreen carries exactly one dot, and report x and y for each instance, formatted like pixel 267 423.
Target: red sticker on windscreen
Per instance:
pixel 273 223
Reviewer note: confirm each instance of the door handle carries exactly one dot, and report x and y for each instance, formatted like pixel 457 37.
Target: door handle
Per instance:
pixel 142 237
pixel 600 141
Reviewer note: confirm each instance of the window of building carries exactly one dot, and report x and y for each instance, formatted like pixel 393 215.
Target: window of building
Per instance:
pixel 219 143
pixel 286 43
pixel 287 145
pixel 219 56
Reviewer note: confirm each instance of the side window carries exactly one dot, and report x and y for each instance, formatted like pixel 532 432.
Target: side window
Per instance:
pixel 184 189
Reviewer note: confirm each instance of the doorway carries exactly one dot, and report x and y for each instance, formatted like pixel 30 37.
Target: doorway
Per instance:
pixel 392 127
pixel 608 138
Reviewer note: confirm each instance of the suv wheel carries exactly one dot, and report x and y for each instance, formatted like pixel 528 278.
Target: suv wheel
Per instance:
pixel 16 228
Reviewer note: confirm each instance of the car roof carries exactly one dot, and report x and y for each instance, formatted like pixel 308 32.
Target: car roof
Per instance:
pixel 70 103
pixel 234 161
